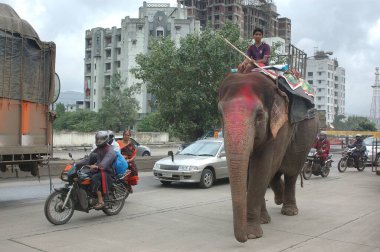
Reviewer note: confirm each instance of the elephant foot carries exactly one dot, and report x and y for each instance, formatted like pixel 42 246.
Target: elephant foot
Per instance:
pixel 254 231
pixel 265 218
pixel 278 199
pixel 289 210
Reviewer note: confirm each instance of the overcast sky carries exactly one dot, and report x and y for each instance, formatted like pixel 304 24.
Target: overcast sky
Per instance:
pixel 349 28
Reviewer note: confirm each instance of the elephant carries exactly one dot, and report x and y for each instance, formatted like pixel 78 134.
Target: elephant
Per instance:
pixel 261 145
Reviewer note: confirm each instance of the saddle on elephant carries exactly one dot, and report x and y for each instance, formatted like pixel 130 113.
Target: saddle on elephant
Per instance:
pixel 298 90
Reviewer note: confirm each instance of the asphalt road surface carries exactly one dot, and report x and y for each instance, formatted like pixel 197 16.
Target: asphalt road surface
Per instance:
pixel 337 213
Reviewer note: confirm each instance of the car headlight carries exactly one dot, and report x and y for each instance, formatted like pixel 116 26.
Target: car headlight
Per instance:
pixel 156 166
pixel 187 168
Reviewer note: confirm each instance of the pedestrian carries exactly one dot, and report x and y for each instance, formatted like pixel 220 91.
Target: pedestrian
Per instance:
pixel 129 151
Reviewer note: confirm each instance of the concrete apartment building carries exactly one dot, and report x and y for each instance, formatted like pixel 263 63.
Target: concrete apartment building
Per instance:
pixel 248 14
pixel 113 50
pixel 328 80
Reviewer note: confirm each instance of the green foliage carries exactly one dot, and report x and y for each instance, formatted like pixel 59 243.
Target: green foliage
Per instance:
pixel 276 58
pixel 185 80
pixel 355 123
pixel 119 107
pixel 151 123
pixel 60 109
pixel 81 120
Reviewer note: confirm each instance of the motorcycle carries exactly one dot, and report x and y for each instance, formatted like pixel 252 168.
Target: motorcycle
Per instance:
pixel 347 160
pixel 313 165
pixel 77 195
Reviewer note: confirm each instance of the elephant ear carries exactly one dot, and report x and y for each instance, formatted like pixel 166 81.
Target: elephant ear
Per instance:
pixel 279 112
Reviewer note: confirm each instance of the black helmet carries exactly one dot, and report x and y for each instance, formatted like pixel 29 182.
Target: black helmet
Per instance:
pixel 101 138
pixel 111 136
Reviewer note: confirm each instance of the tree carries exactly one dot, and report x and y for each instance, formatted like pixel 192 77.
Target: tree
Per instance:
pixel 151 123
pixel 185 80
pixel 60 109
pixel 119 108
pixel 81 120
pixel 356 123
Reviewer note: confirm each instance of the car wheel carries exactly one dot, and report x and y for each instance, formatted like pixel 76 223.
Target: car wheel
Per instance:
pixel 165 183
pixel 207 178
pixel 146 154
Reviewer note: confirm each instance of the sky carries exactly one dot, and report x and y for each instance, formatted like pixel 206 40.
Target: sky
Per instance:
pixel 349 28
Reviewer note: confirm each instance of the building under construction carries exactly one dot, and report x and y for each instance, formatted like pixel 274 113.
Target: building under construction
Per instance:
pixel 248 14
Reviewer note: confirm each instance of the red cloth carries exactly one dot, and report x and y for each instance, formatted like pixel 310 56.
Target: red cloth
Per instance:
pixel 323 148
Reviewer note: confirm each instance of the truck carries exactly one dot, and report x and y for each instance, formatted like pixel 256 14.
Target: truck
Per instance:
pixel 27 91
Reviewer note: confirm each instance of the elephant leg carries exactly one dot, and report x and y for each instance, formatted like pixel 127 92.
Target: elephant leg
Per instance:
pixel 290 207
pixel 277 186
pixel 264 216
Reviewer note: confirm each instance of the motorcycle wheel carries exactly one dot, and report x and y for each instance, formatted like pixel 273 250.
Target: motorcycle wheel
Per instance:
pixel 307 171
pixel 361 165
pixel 53 208
pixel 342 165
pixel 117 199
pixel 325 171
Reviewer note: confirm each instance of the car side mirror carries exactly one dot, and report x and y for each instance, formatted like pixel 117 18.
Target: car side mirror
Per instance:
pixel 170 153
pixel 222 154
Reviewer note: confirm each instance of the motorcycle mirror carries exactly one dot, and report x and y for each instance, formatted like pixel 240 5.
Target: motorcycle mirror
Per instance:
pixel 170 153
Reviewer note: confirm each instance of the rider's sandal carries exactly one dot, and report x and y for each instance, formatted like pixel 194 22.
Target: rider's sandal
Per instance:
pixel 99 206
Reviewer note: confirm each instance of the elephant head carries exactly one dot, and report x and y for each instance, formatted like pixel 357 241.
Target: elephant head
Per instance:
pixel 253 111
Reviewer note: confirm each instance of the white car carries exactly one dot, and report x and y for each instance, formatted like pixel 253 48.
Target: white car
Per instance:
pixel 373 152
pixel 202 162
pixel 142 150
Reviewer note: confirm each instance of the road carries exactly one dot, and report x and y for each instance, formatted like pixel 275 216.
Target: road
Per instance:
pixel 337 213
pixel 156 150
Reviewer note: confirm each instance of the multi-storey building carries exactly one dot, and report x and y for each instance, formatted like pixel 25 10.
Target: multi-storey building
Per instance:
pixel 113 50
pixel 248 14
pixel 328 80
pixel 285 30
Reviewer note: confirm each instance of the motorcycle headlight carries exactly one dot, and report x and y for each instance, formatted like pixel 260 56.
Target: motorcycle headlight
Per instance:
pixel 64 176
pixel 187 168
pixel 156 166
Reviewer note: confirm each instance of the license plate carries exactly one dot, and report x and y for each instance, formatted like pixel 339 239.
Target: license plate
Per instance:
pixel 166 175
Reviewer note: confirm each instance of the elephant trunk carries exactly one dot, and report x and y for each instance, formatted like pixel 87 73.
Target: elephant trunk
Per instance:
pixel 238 138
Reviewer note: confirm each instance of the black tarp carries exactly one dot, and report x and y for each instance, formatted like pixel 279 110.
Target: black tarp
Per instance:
pixel 26 63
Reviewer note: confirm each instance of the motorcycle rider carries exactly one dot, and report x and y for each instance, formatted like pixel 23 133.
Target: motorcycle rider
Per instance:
pixel 360 149
pixel 103 170
pixel 322 145
pixel 111 142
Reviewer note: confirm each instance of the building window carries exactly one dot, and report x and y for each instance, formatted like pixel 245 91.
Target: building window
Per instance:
pixel 118 37
pixel 319 73
pixel 108 66
pixel 310 82
pixel 117 63
pixel 310 74
pixel 94 105
pixel 94 91
pixel 88 68
pixel 319 82
pixel 160 32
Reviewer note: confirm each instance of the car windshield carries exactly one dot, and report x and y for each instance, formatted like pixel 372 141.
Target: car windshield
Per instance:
pixel 202 148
